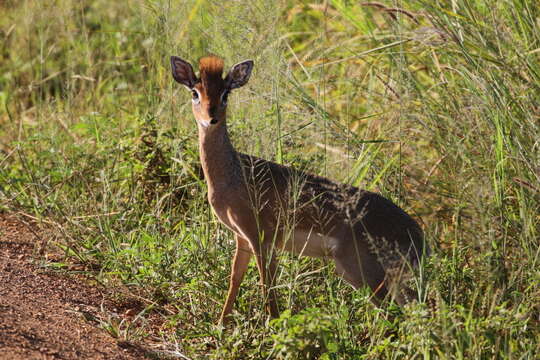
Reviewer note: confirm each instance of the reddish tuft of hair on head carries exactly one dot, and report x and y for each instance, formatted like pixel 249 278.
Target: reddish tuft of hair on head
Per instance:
pixel 210 69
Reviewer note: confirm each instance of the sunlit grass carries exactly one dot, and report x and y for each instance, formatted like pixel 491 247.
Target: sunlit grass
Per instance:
pixel 434 104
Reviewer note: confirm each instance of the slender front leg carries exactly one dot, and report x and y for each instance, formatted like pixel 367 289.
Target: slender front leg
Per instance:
pixel 238 269
pixel 267 264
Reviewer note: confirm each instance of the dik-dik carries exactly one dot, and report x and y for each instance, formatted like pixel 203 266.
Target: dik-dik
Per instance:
pixel 270 207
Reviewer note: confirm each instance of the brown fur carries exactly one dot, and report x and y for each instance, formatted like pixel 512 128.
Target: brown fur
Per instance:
pixel 267 205
pixel 211 71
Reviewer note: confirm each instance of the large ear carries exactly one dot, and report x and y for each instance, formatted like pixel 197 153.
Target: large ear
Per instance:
pixel 239 74
pixel 182 72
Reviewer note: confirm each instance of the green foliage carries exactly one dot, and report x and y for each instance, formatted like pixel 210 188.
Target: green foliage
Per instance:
pixel 434 104
pixel 309 334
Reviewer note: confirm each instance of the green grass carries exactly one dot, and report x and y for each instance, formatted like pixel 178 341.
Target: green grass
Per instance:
pixel 437 108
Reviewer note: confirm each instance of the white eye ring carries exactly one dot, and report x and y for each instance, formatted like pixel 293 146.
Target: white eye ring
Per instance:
pixel 224 97
pixel 196 96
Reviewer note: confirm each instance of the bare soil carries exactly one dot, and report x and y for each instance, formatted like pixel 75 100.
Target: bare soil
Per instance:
pixel 45 314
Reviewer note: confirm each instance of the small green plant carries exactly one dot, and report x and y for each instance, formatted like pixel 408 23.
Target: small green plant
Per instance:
pixel 310 334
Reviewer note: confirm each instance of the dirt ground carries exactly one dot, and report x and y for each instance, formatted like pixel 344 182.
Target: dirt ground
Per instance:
pixel 45 314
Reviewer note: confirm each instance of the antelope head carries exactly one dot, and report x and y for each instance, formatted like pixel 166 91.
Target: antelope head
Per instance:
pixel 210 90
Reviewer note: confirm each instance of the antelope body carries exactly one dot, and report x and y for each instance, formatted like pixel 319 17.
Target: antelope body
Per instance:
pixel 269 206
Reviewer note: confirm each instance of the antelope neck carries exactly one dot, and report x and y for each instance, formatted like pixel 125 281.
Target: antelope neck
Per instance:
pixel 219 160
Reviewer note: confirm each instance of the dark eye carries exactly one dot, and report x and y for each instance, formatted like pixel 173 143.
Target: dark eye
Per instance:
pixel 224 97
pixel 195 96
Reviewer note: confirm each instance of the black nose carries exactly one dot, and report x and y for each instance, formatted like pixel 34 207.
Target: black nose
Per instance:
pixel 213 121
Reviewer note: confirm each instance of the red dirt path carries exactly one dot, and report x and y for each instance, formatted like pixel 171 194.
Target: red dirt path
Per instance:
pixel 42 313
